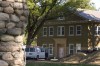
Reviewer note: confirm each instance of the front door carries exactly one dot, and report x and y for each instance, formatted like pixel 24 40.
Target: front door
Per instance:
pixel 71 48
pixel 78 47
pixel 61 52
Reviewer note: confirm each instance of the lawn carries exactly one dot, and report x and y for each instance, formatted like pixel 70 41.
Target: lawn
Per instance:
pixel 55 64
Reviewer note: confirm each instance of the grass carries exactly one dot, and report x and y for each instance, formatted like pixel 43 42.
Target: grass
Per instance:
pixel 55 64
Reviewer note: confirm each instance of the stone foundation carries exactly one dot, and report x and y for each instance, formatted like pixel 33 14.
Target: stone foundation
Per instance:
pixel 13 18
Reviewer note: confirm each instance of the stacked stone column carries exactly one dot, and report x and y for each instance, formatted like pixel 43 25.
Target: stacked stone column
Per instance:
pixel 13 18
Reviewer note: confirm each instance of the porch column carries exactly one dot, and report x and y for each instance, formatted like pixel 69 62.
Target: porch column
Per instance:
pixel 13 18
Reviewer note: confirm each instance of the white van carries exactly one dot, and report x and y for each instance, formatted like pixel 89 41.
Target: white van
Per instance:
pixel 35 52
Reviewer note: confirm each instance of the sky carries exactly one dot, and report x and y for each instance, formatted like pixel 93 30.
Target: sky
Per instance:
pixel 97 3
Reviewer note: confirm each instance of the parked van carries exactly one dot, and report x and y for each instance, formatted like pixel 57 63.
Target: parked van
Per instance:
pixel 35 52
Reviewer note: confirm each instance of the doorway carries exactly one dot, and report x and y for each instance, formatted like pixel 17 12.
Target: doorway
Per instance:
pixel 61 52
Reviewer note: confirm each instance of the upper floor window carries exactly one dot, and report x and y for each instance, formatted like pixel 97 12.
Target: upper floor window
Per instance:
pixel 71 30
pixel 44 31
pixel 60 30
pixel 78 30
pixel 51 31
pixel 97 30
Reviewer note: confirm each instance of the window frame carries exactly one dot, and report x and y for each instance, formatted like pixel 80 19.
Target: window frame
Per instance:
pixel 51 49
pixel 61 31
pixel 97 30
pixel 45 31
pixel 78 30
pixel 45 45
pixel 71 49
pixel 49 30
pixel 70 30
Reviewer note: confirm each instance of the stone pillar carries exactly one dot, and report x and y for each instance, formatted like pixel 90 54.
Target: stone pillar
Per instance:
pixel 13 18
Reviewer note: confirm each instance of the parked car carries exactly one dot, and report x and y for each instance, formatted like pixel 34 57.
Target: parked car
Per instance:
pixel 35 52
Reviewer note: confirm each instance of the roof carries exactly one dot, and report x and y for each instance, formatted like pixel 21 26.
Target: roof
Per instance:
pixel 89 14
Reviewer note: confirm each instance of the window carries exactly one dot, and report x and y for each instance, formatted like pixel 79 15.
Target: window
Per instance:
pixel 51 31
pixel 97 30
pixel 27 49
pixel 71 30
pixel 42 49
pixel 60 30
pixel 50 49
pixel 32 49
pixel 61 18
pixel 44 31
pixel 78 47
pixel 78 29
pixel 71 48
pixel 44 45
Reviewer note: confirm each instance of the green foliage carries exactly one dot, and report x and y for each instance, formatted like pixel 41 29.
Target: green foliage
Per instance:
pixel 83 4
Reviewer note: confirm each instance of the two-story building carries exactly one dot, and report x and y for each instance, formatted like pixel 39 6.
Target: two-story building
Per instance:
pixel 80 30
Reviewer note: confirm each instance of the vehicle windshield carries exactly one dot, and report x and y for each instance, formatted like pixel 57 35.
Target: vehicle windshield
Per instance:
pixel 27 49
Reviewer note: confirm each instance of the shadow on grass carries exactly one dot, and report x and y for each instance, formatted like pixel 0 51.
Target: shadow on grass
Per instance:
pixel 55 64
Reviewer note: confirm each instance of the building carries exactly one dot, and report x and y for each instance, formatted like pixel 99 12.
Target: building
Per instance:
pixel 80 30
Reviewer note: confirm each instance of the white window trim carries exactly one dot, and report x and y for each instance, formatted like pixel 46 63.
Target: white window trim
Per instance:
pixel 49 30
pixel 69 47
pixel 61 18
pixel 43 31
pixel 69 31
pixel 60 31
pixel 80 30
pixel 52 49
pixel 78 44
pixel 97 31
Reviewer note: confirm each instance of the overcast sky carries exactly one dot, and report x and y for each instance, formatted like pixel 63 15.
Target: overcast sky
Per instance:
pixel 97 3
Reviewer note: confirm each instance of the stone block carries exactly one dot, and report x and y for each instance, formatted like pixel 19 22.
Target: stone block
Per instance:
pixel 18 61
pixel 4 16
pixel 2 24
pixel 19 12
pixel 3 63
pixel 4 3
pixel 18 5
pixel 1 9
pixel 9 47
pixel 1 53
pixel 20 25
pixel 19 0
pixel 18 55
pixel 10 0
pixel 19 39
pixel 2 31
pixel 14 31
pixel 15 18
pixel 10 25
pixel 22 18
pixel 7 38
pixel 7 56
pixel 9 10
pixel 25 6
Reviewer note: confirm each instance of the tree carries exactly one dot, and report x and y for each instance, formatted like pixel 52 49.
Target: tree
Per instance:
pixel 39 10
pixel 83 4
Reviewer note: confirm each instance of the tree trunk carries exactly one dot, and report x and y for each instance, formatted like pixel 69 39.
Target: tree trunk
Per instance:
pixel 13 18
